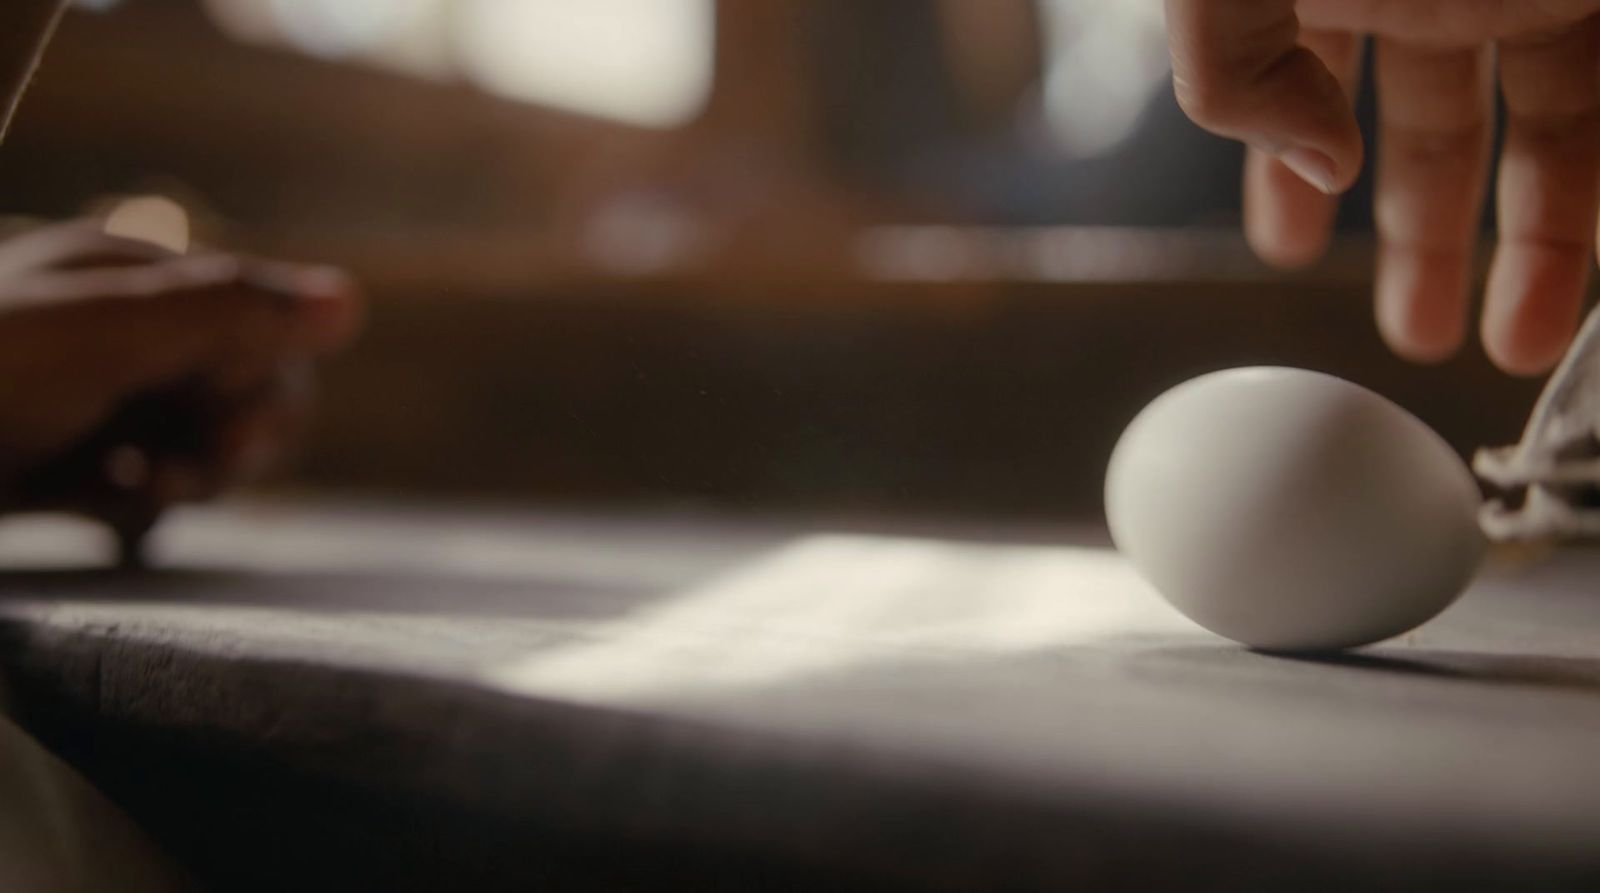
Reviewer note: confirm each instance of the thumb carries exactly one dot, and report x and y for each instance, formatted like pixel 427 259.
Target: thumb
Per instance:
pixel 1239 71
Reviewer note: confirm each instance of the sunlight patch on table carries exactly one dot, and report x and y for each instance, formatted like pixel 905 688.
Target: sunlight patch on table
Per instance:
pixel 831 603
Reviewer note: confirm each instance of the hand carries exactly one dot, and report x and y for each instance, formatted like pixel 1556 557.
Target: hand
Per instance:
pixel 190 366
pixel 1277 74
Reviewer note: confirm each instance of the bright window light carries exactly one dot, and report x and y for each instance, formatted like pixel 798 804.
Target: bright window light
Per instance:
pixel 831 603
pixel 645 62
pixel 1106 60
pixel 648 62
pixel 345 28
pixel 327 28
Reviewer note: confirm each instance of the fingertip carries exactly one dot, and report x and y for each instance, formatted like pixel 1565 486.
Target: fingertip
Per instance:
pixel 297 279
pixel 1350 158
pixel 1279 252
pixel 1522 353
pixel 1241 70
pixel 328 282
pixel 1286 222
pixel 328 304
pixel 1420 302
pixel 325 303
pixel 1519 359
pixel 1532 307
pixel 1281 247
pixel 1342 144
pixel 1314 167
pixel 1314 131
pixel 1332 168
pixel 1417 345
pixel 330 319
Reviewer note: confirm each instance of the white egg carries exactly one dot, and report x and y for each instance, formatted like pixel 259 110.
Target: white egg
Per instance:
pixel 1293 511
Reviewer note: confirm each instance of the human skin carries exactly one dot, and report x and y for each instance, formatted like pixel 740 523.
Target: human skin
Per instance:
pixel 87 322
pixel 1277 74
pixel 91 325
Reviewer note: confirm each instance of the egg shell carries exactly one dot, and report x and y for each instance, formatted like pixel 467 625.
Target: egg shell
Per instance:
pixel 1293 511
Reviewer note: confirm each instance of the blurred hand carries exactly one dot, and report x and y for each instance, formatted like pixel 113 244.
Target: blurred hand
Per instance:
pixel 1277 74
pixel 190 365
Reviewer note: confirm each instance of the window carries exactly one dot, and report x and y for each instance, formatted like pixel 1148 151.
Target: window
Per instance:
pixel 643 62
pixel 1105 60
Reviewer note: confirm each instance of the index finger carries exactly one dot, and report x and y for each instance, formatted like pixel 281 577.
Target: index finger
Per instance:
pixel 1239 70
pixel 1286 221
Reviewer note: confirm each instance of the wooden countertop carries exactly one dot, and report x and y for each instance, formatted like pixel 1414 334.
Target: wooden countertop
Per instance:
pixel 655 700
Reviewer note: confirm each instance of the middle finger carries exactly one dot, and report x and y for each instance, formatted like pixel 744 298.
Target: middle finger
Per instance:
pixel 1436 111
pixel 1549 196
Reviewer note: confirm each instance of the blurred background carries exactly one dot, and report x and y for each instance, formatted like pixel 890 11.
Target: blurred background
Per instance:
pixel 905 256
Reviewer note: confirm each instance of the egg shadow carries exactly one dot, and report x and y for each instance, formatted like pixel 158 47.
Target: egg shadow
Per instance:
pixel 1377 663
pixel 1579 675
pixel 1525 670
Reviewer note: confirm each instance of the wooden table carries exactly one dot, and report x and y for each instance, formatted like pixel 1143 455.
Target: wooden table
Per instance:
pixel 347 697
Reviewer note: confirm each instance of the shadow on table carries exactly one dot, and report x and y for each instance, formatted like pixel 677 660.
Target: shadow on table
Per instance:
pixel 1542 671
pixel 1549 672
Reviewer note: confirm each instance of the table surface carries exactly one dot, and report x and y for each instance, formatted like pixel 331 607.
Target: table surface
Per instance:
pixel 939 707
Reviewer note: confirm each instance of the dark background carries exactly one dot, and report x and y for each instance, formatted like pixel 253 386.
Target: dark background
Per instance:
pixel 573 309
